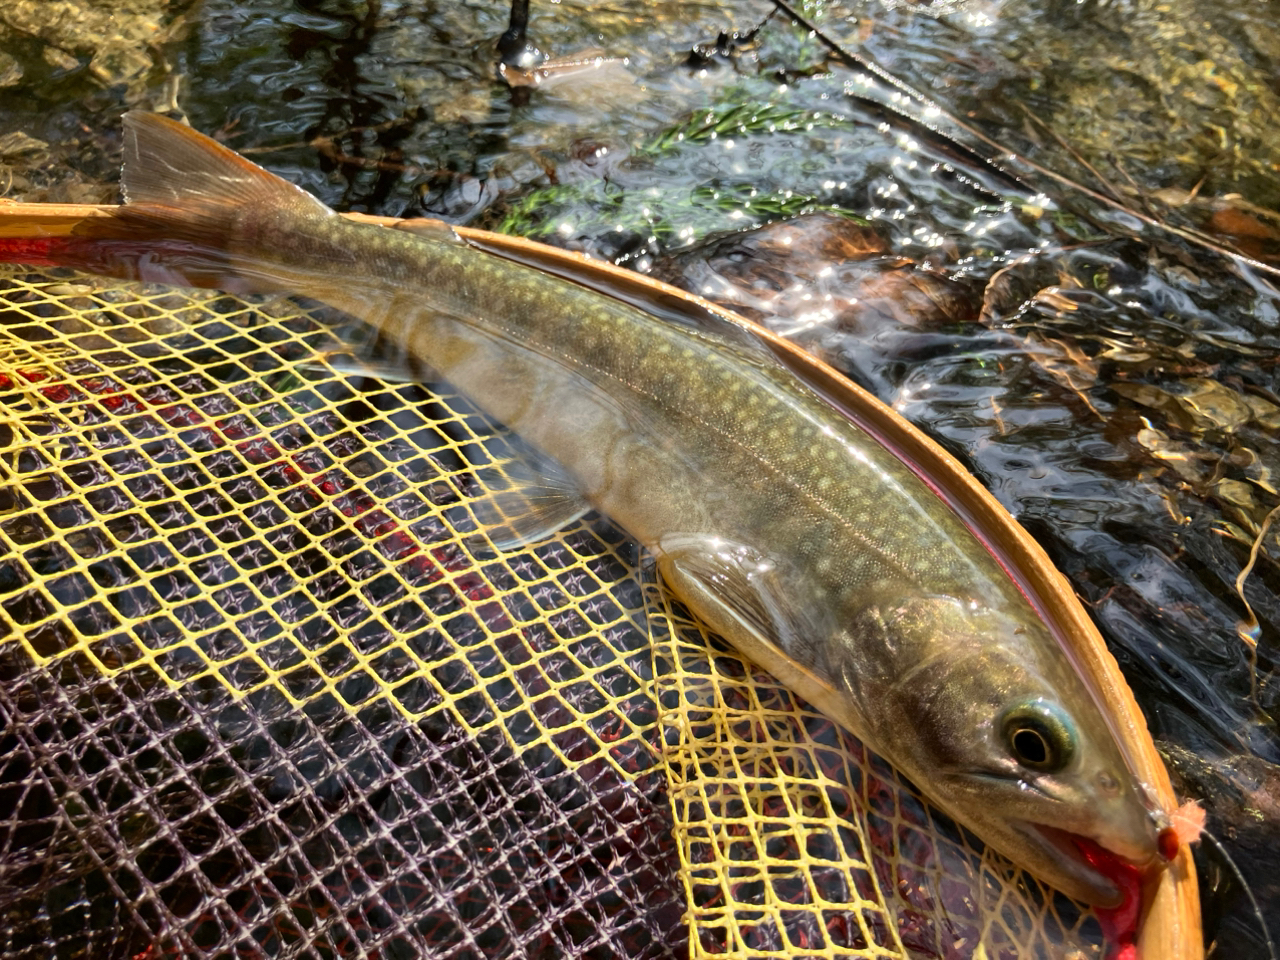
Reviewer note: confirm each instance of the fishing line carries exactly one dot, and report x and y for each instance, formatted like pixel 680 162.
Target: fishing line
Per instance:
pixel 859 62
pixel 1248 891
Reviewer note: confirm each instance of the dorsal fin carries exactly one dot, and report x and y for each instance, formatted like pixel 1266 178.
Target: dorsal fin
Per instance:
pixel 167 164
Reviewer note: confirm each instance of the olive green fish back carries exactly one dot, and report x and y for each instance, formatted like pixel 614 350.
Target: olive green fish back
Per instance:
pixel 266 692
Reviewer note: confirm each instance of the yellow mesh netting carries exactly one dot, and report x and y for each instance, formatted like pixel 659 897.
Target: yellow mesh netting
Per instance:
pixel 269 690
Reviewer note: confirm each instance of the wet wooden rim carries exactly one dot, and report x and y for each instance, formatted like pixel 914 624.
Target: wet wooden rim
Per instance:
pixel 1170 928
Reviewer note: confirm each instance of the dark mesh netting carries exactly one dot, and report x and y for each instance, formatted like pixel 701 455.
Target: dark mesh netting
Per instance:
pixel 269 690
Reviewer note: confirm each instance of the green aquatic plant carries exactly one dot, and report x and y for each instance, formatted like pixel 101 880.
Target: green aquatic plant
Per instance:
pixel 742 119
pixel 628 203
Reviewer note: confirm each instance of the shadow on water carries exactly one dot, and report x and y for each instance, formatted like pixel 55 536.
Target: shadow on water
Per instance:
pixel 1114 385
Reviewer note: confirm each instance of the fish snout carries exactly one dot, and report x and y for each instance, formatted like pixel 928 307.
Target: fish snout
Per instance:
pixel 1128 826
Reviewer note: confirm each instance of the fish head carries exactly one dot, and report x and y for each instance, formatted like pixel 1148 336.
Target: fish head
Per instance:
pixel 999 729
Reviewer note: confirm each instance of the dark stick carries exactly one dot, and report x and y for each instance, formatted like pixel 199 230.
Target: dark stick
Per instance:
pixel 513 48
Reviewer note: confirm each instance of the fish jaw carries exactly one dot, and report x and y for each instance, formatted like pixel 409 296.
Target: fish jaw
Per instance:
pixel 1079 879
pixel 1073 852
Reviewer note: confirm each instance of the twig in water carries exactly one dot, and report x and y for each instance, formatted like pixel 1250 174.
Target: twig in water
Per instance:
pixel 1138 191
pixel 1107 184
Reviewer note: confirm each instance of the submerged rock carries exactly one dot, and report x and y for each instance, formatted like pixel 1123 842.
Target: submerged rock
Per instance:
pixel 110 37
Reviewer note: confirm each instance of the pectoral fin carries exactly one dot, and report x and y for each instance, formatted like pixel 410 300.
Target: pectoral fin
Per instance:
pixel 744 595
pixel 758 604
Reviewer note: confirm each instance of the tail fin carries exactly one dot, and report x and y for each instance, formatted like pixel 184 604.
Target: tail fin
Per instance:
pixel 192 210
pixel 187 178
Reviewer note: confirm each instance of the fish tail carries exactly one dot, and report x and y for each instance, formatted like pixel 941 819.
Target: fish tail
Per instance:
pixel 196 214
pixel 197 189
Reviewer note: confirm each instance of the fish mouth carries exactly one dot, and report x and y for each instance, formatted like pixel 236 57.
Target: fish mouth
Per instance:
pixel 1093 876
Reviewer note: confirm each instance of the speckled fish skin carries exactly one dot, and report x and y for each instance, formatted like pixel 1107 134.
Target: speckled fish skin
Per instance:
pixel 774 518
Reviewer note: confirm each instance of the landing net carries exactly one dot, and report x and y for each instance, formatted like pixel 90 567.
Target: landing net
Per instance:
pixel 268 690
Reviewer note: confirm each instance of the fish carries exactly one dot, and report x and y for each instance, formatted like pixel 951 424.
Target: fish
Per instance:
pixel 781 524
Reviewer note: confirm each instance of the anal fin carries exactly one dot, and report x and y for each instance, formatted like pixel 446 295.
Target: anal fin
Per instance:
pixel 530 497
pixel 431 229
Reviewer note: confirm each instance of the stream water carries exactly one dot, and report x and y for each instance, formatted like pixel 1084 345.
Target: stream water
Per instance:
pixel 1114 383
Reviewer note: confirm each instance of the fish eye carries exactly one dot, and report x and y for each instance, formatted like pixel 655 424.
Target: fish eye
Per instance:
pixel 1040 735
